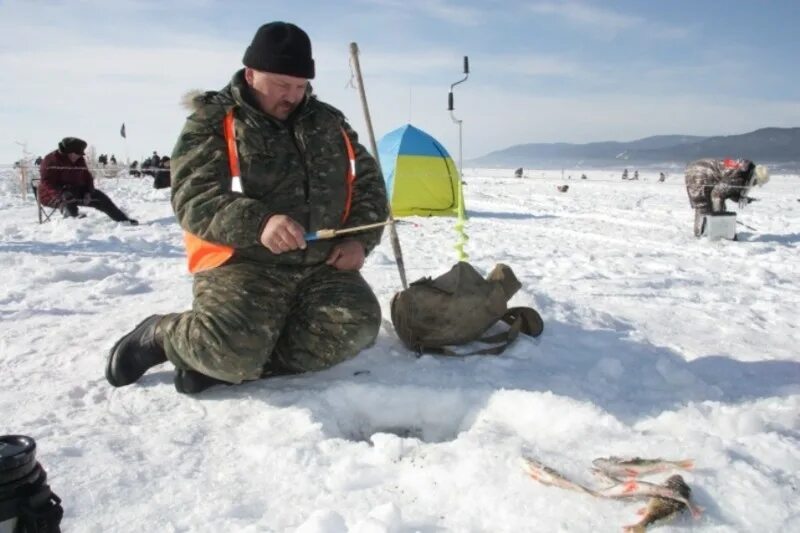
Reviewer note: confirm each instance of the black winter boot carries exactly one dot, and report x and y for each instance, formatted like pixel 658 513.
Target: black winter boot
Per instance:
pixel 135 353
pixel 191 382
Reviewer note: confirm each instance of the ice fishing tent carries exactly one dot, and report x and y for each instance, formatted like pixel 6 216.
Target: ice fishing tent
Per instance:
pixel 421 178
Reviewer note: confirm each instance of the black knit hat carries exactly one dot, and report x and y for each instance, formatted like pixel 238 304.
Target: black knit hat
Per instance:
pixel 282 48
pixel 72 145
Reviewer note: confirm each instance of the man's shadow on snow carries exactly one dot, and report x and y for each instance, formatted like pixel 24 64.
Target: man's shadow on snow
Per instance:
pixel 634 380
pixel 629 379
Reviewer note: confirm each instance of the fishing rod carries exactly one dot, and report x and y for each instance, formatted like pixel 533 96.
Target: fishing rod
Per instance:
pixel 751 228
pixel 323 234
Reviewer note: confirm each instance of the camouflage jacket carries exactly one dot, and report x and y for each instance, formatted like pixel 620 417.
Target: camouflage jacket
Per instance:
pixel 297 168
pixel 709 182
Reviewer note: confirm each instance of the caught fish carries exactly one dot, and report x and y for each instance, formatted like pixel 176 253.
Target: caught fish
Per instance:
pixel 641 489
pixel 620 467
pixel 604 476
pixel 548 476
pixel 662 509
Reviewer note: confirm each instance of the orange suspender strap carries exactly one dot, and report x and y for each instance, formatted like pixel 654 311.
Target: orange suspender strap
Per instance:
pixel 233 153
pixel 203 255
pixel 350 180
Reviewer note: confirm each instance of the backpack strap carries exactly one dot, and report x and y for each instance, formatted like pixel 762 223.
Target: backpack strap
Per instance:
pixel 530 321
pixel 520 319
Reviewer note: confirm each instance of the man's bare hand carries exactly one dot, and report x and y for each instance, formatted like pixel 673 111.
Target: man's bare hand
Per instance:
pixel 283 234
pixel 347 255
pixel 87 198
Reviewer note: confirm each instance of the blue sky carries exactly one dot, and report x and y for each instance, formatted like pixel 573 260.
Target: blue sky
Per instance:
pixel 541 71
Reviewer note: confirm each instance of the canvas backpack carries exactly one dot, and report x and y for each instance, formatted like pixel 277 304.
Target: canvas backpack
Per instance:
pixel 458 307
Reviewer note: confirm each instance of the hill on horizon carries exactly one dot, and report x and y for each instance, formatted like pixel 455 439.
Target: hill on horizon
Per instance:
pixel 778 146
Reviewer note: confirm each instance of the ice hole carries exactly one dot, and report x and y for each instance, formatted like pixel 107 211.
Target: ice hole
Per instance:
pixel 431 415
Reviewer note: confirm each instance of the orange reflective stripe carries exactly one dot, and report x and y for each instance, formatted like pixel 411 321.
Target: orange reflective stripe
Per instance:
pixel 200 254
pixel 230 140
pixel 350 179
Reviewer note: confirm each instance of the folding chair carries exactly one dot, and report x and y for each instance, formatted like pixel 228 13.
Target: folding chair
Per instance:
pixel 43 211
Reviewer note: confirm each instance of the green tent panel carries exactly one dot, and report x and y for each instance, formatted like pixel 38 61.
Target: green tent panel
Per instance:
pixel 420 176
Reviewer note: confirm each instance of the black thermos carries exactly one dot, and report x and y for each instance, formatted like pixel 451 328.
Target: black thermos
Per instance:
pixel 26 502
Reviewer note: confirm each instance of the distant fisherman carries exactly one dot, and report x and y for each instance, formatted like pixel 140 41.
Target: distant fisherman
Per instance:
pixel 709 182
pixel 662 509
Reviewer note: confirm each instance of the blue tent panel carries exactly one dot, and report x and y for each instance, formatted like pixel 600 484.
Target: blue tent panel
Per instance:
pixel 405 140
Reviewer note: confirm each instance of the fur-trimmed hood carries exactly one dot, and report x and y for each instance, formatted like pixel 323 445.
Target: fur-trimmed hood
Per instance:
pixel 194 99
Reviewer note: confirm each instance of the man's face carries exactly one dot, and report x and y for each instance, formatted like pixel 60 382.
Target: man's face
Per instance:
pixel 277 94
pixel 73 157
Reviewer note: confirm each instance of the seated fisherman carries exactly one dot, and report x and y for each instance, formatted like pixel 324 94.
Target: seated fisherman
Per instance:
pixel 66 183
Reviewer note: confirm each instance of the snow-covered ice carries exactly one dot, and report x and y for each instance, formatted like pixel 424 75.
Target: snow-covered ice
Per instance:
pixel 656 344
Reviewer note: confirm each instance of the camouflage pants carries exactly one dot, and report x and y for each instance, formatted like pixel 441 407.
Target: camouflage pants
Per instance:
pixel 703 200
pixel 704 196
pixel 250 320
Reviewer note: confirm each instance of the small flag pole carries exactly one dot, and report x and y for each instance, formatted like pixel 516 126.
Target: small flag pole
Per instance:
pixel 124 134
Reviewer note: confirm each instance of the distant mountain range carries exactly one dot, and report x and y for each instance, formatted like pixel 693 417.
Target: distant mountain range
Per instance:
pixel 776 146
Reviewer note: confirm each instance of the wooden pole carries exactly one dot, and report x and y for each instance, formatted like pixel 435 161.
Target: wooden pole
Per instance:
pixel 23 174
pixel 398 253
pixel 23 180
